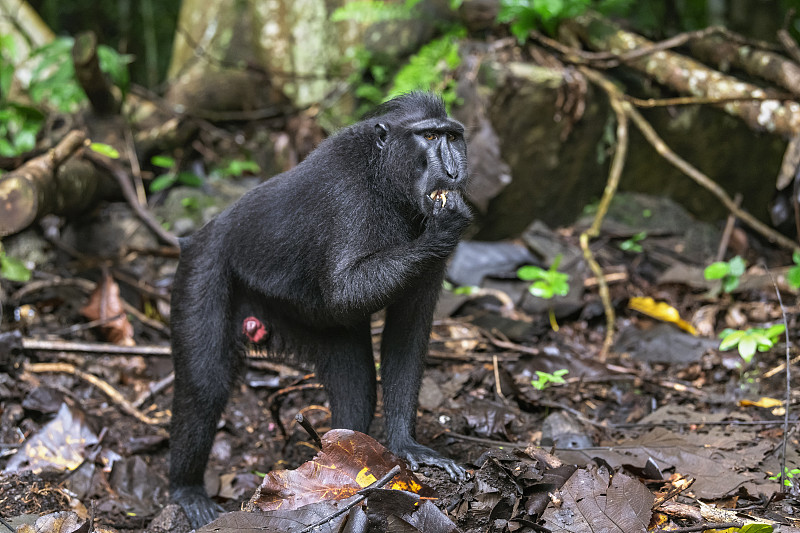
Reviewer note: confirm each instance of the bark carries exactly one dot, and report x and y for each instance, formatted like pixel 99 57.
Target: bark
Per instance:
pixel 724 53
pixel 55 182
pixel 689 76
pixel 91 78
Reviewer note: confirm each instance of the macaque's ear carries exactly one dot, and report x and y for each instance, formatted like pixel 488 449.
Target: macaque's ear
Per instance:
pixel 382 130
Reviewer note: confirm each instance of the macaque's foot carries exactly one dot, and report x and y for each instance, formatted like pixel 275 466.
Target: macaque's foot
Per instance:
pixel 199 508
pixel 417 454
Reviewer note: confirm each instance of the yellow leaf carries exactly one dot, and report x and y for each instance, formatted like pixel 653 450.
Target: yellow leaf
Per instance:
pixel 660 311
pixel 766 403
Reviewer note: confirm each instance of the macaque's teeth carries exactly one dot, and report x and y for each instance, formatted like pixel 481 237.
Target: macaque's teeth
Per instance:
pixel 444 198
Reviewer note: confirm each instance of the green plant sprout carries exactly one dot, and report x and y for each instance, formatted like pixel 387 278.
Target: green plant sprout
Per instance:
pixel 12 268
pixel 750 340
pixel 788 476
pixel 793 274
pixel 729 272
pixel 172 176
pixel 544 380
pixel 546 283
pixel 632 244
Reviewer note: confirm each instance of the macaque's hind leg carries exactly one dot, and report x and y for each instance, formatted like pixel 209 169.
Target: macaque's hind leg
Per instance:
pixel 205 361
pixel 346 367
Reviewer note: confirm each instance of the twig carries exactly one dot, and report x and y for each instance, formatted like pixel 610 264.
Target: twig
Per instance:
pixel 726 233
pixel 771 372
pixel 153 389
pixel 130 195
pixel 788 393
pixel 275 408
pixel 136 170
pixel 709 525
pixel 309 429
pixel 92 347
pixel 362 495
pixel 612 183
pixel 110 391
pixel 497 378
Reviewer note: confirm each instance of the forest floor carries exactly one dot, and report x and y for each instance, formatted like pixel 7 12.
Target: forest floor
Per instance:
pixel 664 432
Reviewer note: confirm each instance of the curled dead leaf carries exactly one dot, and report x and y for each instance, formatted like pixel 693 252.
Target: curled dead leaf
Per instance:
pixel 105 305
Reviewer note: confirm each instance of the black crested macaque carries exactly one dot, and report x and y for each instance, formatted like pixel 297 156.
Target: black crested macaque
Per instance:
pixel 300 263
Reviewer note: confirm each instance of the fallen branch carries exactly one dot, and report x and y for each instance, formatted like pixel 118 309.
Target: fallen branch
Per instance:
pixel 47 184
pixel 92 347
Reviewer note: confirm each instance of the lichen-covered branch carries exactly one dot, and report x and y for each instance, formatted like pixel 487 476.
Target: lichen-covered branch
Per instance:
pixel 689 76
pixel 724 53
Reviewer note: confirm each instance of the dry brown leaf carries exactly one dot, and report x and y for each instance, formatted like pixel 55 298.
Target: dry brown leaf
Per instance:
pixel 105 303
pixel 348 462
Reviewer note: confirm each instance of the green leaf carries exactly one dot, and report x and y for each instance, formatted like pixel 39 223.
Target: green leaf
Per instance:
pixel 737 266
pixel 793 277
pixel 162 182
pixel 717 270
pixel 162 161
pixel 560 287
pixel 541 289
pixel 189 178
pixel 729 283
pixel 760 338
pixel 104 149
pixel 773 332
pixel 796 257
pixel 731 340
pixel 13 269
pixel 756 528
pixel 115 65
pixel 530 273
pixel 747 348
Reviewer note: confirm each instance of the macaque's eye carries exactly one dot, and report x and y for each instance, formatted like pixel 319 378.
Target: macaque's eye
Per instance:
pixel 451 137
pixel 431 136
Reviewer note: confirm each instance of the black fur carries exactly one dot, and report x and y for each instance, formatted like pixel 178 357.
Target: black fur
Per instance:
pixel 311 254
